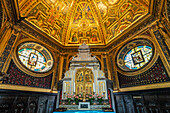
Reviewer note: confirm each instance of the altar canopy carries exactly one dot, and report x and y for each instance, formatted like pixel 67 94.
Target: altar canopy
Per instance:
pixel 84 76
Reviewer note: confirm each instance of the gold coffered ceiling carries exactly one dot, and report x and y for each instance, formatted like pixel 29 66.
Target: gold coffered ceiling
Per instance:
pixel 71 22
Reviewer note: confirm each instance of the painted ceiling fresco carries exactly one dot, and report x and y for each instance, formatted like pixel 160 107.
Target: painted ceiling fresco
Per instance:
pixel 72 22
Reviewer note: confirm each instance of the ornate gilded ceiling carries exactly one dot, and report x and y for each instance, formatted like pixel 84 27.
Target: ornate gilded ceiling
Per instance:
pixel 72 22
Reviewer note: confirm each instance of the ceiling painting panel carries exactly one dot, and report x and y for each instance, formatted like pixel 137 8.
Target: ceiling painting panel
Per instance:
pixel 102 8
pixel 48 15
pixel 72 22
pixel 122 16
pixel 84 26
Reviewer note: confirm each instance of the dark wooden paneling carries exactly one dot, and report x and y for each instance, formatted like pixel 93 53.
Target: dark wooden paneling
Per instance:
pixel 151 101
pixel 24 102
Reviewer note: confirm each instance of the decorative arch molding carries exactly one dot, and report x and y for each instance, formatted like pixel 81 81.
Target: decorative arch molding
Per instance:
pixel 148 65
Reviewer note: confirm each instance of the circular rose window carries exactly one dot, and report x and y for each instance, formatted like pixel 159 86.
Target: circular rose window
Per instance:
pixel 35 57
pixel 135 55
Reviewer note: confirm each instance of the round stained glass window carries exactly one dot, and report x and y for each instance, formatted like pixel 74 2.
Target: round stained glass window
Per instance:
pixel 135 55
pixel 35 57
pixel 138 57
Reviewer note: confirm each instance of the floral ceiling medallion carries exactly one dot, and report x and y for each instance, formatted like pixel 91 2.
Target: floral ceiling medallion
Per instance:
pixel 84 24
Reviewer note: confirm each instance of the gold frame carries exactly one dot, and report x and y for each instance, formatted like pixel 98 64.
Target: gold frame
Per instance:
pixel 25 88
pixel 84 83
pixel 150 63
pixel 24 69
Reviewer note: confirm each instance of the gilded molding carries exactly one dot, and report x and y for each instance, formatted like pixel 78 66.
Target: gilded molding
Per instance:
pixel 7 51
pixel 25 70
pixel 144 87
pixel 24 88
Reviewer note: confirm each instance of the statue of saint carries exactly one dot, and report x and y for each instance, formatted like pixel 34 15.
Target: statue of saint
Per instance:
pixel 74 37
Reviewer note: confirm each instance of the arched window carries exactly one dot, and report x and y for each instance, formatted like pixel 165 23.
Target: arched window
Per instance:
pixel 35 57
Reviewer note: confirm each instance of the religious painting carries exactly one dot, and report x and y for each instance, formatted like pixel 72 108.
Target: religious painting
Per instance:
pixel 94 34
pixel 74 37
pixel 137 57
pixel 80 77
pixel 32 59
pixel 88 88
pixel 80 34
pixel 78 15
pixel 89 15
pixel 79 89
pixel 88 76
pixel 84 24
pixel 84 81
pixel 88 33
pixel 56 12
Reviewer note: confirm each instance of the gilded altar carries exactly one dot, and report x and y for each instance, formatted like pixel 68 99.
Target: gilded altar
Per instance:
pixel 84 76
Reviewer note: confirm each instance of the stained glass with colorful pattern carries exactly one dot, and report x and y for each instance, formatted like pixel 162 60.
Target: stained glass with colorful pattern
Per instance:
pixel 36 57
pixel 138 57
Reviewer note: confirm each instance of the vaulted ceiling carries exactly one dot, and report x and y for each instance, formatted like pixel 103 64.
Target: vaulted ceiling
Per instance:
pixel 72 22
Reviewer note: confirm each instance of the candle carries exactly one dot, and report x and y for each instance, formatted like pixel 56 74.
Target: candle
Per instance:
pixel 74 87
pixel 93 88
